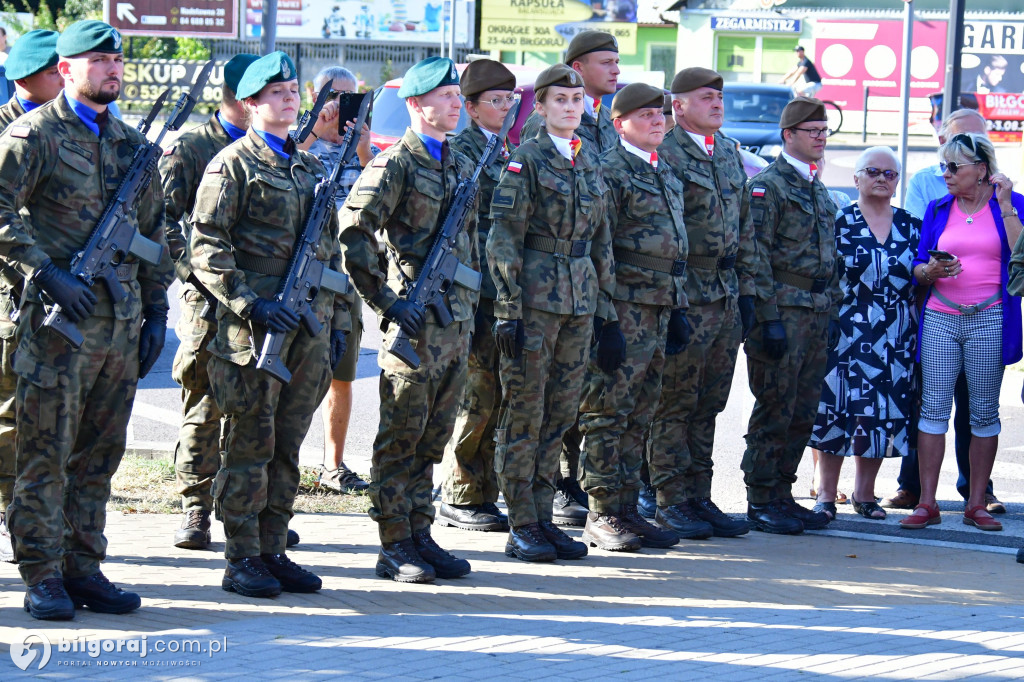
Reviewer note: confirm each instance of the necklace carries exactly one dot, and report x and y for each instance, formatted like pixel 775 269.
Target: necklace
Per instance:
pixel 976 211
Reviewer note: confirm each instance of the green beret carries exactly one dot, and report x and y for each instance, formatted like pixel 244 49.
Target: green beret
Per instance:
pixel 486 74
pixel 89 36
pixel 589 41
pixel 695 77
pixel 235 69
pixel 560 75
pixel 33 52
pixel 276 67
pixel 432 72
pixel 802 109
pixel 637 96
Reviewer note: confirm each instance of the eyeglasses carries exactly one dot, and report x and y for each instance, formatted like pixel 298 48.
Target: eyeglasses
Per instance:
pixel 953 166
pixel 816 133
pixel 501 102
pixel 872 172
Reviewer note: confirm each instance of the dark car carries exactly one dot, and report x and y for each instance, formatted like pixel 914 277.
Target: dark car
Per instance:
pixel 752 112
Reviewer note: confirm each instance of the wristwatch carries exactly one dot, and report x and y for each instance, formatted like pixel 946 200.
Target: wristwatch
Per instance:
pixel 1011 212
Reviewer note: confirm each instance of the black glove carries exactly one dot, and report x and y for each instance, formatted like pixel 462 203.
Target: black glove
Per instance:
pixel 338 344
pixel 774 336
pixel 598 323
pixel 747 315
pixel 152 337
pixel 611 347
pixel 833 334
pixel 273 315
pixel 679 331
pixel 407 315
pixel 66 290
pixel 509 337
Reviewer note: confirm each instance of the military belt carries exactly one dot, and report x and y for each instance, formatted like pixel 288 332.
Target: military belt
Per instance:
pixel 573 248
pixel 125 272
pixel 275 267
pixel 676 268
pixel 815 286
pixel 712 263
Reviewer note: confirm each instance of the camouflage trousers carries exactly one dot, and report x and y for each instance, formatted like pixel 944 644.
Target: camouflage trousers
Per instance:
pixel 468 465
pixel 695 389
pixel 8 424
pixel 254 489
pixel 617 408
pixel 73 408
pixel 787 393
pixel 540 400
pixel 197 452
pixel 417 417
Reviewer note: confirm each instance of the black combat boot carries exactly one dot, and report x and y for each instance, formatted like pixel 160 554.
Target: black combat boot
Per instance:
pixel 492 509
pixel 649 534
pixel 293 578
pixel 772 518
pixel 812 520
pixel 565 510
pixel 250 577
pixel 648 501
pixel 565 546
pixel 684 521
pixel 607 532
pixel 100 595
pixel 446 566
pixel 195 530
pixel 723 525
pixel 293 538
pixel 48 600
pixel 469 517
pixel 529 544
pixel 401 562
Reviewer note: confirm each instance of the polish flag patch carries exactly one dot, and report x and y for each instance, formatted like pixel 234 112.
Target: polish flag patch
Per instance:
pixel 515 166
pixel 757 192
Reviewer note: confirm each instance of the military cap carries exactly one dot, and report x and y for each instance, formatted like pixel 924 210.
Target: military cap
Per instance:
pixel 34 51
pixel 560 75
pixel 695 77
pixel 802 109
pixel 430 73
pixel 586 42
pixel 637 96
pixel 276 67
pixel 668 104
pixel 235 69
pixel 486 74
pixel 89 36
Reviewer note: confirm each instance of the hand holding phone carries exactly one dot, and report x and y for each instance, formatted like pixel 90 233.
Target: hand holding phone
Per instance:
pixel 941 255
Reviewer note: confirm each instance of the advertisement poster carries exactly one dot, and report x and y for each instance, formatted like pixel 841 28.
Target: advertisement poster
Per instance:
pixel 993 67
pixel 145 79
pixel 549 25
pixel 399 21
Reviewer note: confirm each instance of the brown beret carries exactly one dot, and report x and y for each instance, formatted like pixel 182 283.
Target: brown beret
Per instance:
pixel 668 104
pixel 485 74
pixel 695 77
pixel 560 75
pixel 802 109
pixel 637 96
pixel 589 41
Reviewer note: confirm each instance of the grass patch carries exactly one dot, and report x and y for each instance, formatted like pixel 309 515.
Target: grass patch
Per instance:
pixel 148 486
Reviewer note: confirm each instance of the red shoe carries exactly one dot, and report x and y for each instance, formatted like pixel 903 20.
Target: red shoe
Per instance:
pixel 924 515
pixel 981 519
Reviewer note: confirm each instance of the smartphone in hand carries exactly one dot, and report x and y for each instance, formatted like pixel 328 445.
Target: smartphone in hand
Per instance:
pixel 941 255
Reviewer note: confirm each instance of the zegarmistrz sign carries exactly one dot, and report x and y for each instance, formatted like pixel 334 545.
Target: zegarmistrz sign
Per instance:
pixel 145 79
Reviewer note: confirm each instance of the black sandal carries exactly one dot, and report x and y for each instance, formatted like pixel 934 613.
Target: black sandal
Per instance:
pixel 827 508
pixel 868 509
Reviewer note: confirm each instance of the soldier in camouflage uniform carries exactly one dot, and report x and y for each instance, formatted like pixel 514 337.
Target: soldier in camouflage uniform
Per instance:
pixel 550 256
pixel 623 382
pixel 59 167
pixel 405 193
pixel 197 452
pixel 798 297
pixel 32 66
pixel 250 208
pixel 720 288
pixel 470 487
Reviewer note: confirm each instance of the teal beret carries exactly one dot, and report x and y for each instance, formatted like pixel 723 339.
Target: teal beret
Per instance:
pixel 89 36
pixel 276 67
pixel 33 52
pixel 432 72
pixel 235 68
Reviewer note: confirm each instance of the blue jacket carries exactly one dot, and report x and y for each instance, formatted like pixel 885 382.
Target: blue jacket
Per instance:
pixel 935 218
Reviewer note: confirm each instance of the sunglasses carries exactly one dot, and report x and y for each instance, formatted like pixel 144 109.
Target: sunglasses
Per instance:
pixel 953 166
pixel 872 172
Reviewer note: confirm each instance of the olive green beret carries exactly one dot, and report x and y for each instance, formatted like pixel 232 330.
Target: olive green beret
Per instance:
pixel 432 72
pixel 235 69
pixel 668 104
pixel 695 77
pixel 276 67
pixel 586 42
pixel 34 51
pixel 89 36
pixel 486 74
pixel 802 109
pixel 637 96
pixel 560 75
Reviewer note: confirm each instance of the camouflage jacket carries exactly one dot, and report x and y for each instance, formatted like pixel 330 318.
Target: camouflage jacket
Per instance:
pixel 543 194
pixel 10 279
pixel 715 221
pixel 597 134
pixel 471 142
pixel 794 221
pixel 404 193
pixel 181 168
pixel 252 203
pixel 10 111
pixel 56 178
pixel 645 211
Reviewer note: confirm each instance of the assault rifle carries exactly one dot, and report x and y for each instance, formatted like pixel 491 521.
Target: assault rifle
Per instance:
pixel 308 118
pixel 114 237
pixel 442 267
pixel 307 275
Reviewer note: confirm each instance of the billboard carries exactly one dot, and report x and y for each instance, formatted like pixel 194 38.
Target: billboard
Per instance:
pixel 549 25
pixel 173 18
pixel 145 79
